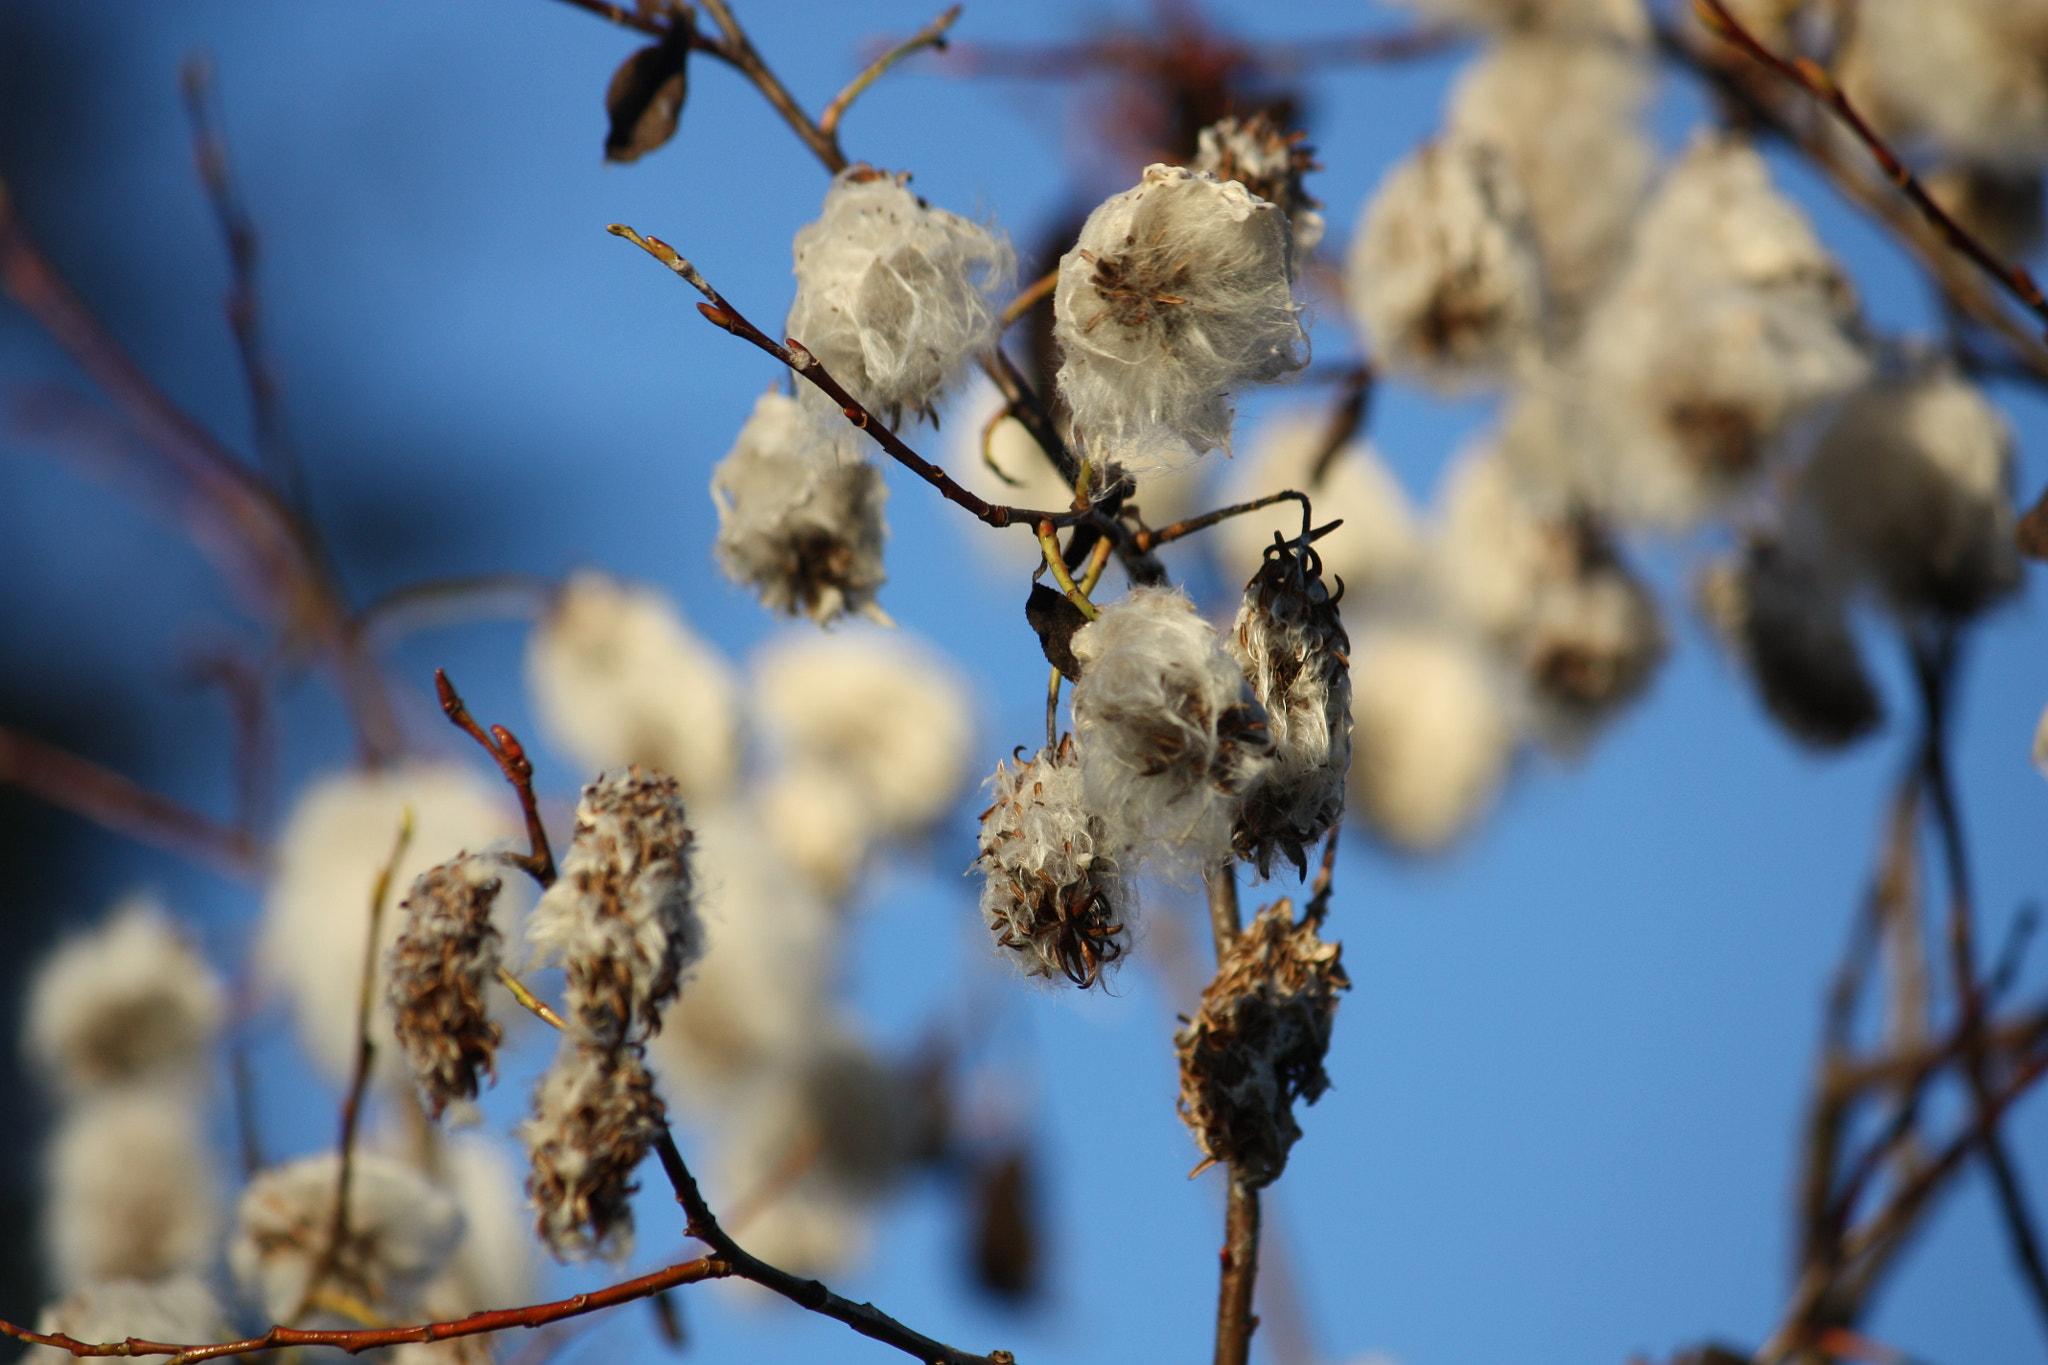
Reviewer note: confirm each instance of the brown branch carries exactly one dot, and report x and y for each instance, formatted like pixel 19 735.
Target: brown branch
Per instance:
pixel 506 751
pixel 1138 55
pixel 932 35
pixel 1166 535
pixel 738 49
pixel 1347 419
pixel 114 802
pixel 1239 1273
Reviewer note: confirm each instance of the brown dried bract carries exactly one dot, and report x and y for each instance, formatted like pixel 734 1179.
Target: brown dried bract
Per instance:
pixel 1275 169
pixel 442 963
pixel 1258 1042
pixel 595 1116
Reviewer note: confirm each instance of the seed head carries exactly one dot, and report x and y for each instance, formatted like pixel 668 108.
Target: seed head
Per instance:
pixel 1270 162
pixel 595 1114
pixel 445 958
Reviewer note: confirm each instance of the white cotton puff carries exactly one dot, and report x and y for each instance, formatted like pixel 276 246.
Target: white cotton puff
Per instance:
pixel 1373 552
pixel 1624 20
pixel 1967 76
pixel 1444 274
pixel 1266 159
pixel 821 819
pixel 1178 292
pixel 316 914
pixel 807 1150
pixel 595 1115
pixel 495 1265
pixel 1432 733
pixel 1566 116
pixel 893 295
pixel 800 513
pixel 764 981
pixel 133 1193
pixel 1912 480
pixel 401 1233
pixel 1050 894
pixel 618 678
pixel 129 1000
pixel 1169 733
pixel 887 711
pixel 180 1310
pixel 1717 219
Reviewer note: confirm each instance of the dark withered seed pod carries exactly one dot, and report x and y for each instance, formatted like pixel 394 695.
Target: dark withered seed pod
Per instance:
pixel 595 1115
pixel 441 965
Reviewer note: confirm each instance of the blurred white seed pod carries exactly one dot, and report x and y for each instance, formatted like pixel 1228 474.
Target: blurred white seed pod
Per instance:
pixel 595 1115
pixel 1178 292
pixel 1964 75
pixel 618 678
pixel 1169 733
pixel 1444 274
pixel 808 1148
pixel 440 974
pixel 2040 750
pixel 1433 728
pixel 800 513
pixel 888 712
pixel 1566 115
pixel 893 295
pixel 129 1000
pixel 821 819
pixel 401 1233
pixel 495 1265
pixel 316 914
pixel 1374 552
pixel 770 947
pixel 1269 161
pixel 621 917
pixel 1783 618
pixel 180 1309
pixel 2005 210
pixel 1912 480
pixel 1050 892
pixel 133 1193
pixel 1626 20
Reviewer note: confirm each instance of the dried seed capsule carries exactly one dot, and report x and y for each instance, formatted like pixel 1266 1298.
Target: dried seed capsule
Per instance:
pixel 595 1114
pixel 1270 162
pixel 445 958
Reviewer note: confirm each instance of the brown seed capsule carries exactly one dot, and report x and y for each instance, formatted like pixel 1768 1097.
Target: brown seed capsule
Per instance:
pixel 594 1117
pixel 444 959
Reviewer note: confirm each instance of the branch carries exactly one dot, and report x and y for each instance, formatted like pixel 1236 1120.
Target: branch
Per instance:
pixel 1240 1258
pixel 932 35
pixel 739 51
pixel 506 751
pixel 1166 535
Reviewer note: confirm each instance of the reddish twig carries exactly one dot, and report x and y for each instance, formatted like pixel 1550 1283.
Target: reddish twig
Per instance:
pixel 932 35
pixel 1166 535
pixel 510 756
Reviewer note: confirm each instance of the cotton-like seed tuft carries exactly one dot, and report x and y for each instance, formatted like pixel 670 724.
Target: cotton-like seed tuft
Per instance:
pixel 316 916
pixel 1257 1044
pixel 800 513
pixel 180 1310
pixel 401 1232
pixel 618 678
pixel 443 963
pixel 821 818
pixel 127 1001
pixel 1178 292
pixel 132 1188
pixel 1431 733
pixel 1912 481
pixel 1050 894
pixel 1266 159
pixel 1966 76
pixel 497 1263
pixel 1169 734
pixel 1292 647
pixel 1625 20
pixel 621 917
pixel 1444 275
pixel 1784 620
pixel 595 1114
pixel 893 295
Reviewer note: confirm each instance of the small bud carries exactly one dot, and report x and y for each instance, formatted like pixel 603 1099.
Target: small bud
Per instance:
pixel 445 958
pixel 595 1114
pixel 1257 1044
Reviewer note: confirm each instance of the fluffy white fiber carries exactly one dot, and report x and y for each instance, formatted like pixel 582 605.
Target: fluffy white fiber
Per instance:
pixel 1270 162
pixel 618 678
pixel 1178 292
pixel 821 818
pixel 495 1265
pixel 1169 733
pixel 127 1001
pixel 889 713
pixel 800 512
pixel 1912 480
pixel 1967 76
pixel 1432 732
pixel 132 1190
pixel 316 915
pixel 1444 274
pixel 892 294
pixel 179 1309
pixel 1050 894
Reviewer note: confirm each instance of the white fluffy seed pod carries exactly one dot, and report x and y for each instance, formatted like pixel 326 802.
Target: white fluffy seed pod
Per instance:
pixel 1050 892
pixel 316 916
pixel 180 1310
pixel 1625 20
pixel 1178 292
pixel 132 1189
pixel 496 1265
pixel 800 513
pixel 621 917
pixel 893 295
pixel 1432 732
pixel 1964 75
pixel 401 1233
pixel 1376 549
pixel 822 819
pixel 1912 481
pixel 127 1001
pixel 595 1114
pixel 1567 118
pixel 1444 274
pixel 886 711
pixel 1784 620
pixel 618 678
pixel 1169 733
pixel 1269 161
pixel 439 975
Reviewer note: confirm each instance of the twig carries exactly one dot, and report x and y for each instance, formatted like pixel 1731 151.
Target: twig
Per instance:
pixel 506 752
pixel 1235 1321
pixel 114 802
pixel 532 1002
pixel 1032 295
pixel 932 35
pixel 1058 564
pixel 1347 418
pixel 739 50
pixel 1029 409
pixel 1152 540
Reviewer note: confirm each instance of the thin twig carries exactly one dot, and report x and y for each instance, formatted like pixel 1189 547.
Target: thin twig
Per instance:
pixel 739 50
pixel 1033 294
pixel 1235 1321
pixel 1347 418
pixel 932 35
pixel 532 1002
pixel 506 751
pixel 1057 563
pixel 1166 535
